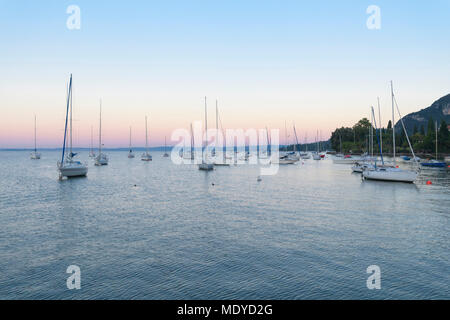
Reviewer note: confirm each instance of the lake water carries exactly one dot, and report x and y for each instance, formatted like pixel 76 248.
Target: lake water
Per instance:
pixel 157 230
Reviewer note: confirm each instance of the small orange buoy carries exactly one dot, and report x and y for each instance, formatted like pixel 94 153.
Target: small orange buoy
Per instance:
pixel 429 182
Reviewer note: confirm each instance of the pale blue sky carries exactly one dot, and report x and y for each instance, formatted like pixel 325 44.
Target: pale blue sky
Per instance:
pixel 312 62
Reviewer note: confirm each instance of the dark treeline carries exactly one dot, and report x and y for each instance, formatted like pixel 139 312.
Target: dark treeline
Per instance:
pixel 423 140
pixel 315 146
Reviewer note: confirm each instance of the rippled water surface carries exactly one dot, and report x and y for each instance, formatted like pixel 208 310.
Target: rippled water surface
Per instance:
pixel 160 231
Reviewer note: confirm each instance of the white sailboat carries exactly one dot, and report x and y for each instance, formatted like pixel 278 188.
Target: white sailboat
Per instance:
pixel 146 155
pixel 316 155
pixel 222 163
pixel 68 167
pixel 165 155
pixel 367 162
pixel 91 149
pixel 305 155
pixel 130 153
pixel 286 157
pixel 205 165
pixel 189 155
pixel 101 159
pixel 393 174
pixel 35 155
pixel 435 163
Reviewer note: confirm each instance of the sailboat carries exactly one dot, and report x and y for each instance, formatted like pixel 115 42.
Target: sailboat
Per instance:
pixel 68 167
pixel 205 165
pixel 367 162
pixel 191 154
pixel 146 155
pixel 316 155
pixel 91 149
pixel 305 155
pixel 101 159
pixel 285 157
pixel 35 155
pixel 222 163
pixel 165 155
pixel 435 163
pixel 393 174
pixel 295 155
pixel 130 153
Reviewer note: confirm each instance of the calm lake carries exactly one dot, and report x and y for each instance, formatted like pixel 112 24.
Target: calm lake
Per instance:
pixel 158 230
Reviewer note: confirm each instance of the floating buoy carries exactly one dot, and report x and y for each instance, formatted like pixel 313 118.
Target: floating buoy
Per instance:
pixel 396 166
pixel 429 182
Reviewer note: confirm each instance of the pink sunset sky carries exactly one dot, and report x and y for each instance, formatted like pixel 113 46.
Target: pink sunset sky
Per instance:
pixel 266 63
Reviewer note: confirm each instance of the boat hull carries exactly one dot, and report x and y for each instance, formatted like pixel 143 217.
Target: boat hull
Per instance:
pixel 206 166
pixel 35 156
pixel 393 176
pixel 434 165
pixel 73 171
pixel 345 161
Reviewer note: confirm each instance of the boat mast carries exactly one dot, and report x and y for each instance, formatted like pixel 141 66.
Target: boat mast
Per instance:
pixel 436 140
pixel 306 141
pixel 371 134
pixel 317 141
pixel 146 136
pixel 71 132
pixel 100 131
pixel 92 137
pixel 35 133
pixel 285 136
pixel 217 125
pixel 393 123
pixel 192 141
pixel 165 141
pixel 130 138
pixel 375 122
pixel 206 132
pixel 269 149
pixel 381 132
pixel 69 90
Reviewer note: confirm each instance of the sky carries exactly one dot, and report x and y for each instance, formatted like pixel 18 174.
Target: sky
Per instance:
pixel 312 63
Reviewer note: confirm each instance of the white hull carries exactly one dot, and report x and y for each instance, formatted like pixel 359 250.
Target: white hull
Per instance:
pixel 206 166
pixel 345 161
pixel 101 160
pixel 390 174
pixel 285 161
pixel 146 157
pixel 131 155
pixel 221 164
pixel 35 156
pixel 72 169
pixel 360 167
pixel 316 157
